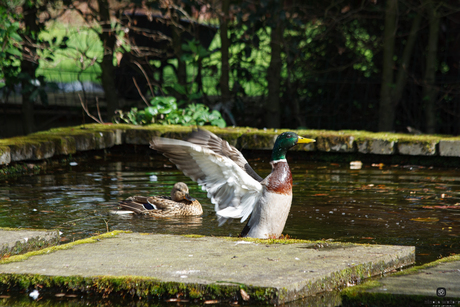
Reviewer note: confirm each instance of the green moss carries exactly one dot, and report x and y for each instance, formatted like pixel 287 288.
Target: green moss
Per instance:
pixel 33 243
pixel 292 241
pixel 16 169
pixel 416 269
pixel 60 247
pixel 193 236
pixel 70 140
pixel 360 296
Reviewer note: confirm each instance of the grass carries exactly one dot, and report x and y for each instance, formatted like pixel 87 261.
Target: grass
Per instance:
pixel 75 62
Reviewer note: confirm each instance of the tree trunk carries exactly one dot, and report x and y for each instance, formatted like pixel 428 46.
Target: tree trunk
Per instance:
pixel 108 39
pixel 27 108
pixel 430 91
pixel 401 78
pixel 387 107
pixel 225 44
pixel 272 108
pixel 31 29
pixel 181 72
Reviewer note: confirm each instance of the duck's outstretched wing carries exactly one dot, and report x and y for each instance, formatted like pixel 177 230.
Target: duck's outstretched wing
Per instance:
pixel 221 147
pixel 233 192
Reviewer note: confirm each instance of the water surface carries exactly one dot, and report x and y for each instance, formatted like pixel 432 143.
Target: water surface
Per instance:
pixel 397 205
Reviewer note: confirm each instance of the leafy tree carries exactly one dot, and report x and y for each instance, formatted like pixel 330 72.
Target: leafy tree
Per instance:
pixel 11 51
pixel 101 13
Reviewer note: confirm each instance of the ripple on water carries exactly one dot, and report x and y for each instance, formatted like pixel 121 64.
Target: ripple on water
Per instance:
pixel 392 205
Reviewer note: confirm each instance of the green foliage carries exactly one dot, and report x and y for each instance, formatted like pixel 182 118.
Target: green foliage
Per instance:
pixel 36 87
pixel 10 52
pixel 194 51
pixel 164 110
pixel 73 54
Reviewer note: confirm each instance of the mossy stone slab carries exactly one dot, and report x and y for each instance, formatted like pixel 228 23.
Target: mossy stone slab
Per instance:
pixel 449 148
pixel 140 136
pixel 202 267
pixel 417 147
pixel 5 155
pixel 336 143
pixel 418 286
pixel 19 241
pixel 24 148
pixel 261 140
pixel 376 146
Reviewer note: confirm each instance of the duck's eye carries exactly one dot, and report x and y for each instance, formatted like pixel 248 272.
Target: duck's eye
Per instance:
pixel 289 135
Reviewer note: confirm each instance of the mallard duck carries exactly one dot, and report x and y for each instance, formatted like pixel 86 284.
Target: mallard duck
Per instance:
pixel 179 204
pixel 232 185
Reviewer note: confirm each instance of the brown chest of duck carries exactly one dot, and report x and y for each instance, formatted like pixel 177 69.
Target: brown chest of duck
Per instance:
pixel 233 186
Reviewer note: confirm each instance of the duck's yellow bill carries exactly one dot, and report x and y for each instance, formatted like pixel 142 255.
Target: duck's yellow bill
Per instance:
pixel 302 140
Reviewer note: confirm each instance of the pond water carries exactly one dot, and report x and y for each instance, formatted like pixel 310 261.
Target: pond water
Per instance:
pixel 399 205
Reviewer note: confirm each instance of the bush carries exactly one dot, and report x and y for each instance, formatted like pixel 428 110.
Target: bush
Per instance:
pixel 164 110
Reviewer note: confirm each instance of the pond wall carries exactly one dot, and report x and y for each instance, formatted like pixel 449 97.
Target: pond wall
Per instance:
pixel 73 140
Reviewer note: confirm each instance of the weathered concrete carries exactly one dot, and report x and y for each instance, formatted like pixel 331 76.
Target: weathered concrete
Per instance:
pixel 376 146
pixel 412 147
pixel 417 286
pixel 449 148
pixel 19 241
pixel 5 155
pixel 65 141
pixel 336 143
pixel 204 267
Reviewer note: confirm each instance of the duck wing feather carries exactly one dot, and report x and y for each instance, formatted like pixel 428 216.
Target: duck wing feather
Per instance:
pixel 153 205
pixel 135 204
pixel 233 191
pixel 221 147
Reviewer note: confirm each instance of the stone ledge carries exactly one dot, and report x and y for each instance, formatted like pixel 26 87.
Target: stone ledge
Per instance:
pixel 412 287
pixel 19 241
pixel 202 268
pixel 70 140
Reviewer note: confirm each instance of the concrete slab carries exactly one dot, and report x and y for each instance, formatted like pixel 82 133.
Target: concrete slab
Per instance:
pixel 417 147
pixel 449 148
pixel 376 146
pixel 336 143
pixel 435 283
pixel 14 241
pixel 206 267
pixel 5 155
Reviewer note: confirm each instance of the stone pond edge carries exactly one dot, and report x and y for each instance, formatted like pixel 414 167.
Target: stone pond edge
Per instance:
pixel 361 295
pixel 71 140
pixel 146 287
pixel 42 239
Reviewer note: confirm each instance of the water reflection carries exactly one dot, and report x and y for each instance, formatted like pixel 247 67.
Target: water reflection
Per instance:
pixel 386 205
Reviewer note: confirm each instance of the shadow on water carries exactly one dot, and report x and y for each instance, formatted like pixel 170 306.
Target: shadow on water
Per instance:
pixel 388 205
pixel 22 299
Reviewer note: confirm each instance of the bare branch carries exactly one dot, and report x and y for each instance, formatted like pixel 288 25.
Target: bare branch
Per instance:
pixel 99 121
pixel 145 75
pixel 140 93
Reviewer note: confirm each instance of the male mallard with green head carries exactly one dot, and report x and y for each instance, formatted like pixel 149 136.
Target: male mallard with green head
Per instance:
pixel 179 204
pixel 232 185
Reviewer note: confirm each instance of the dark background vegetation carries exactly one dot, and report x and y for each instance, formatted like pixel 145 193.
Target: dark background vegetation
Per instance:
pixel 343 64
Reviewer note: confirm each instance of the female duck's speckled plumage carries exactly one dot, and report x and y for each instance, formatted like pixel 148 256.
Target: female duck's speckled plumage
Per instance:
pixel 232 185
pixel 179 204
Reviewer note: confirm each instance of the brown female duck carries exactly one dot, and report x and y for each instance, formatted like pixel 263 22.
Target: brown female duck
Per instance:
pixel 179 204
